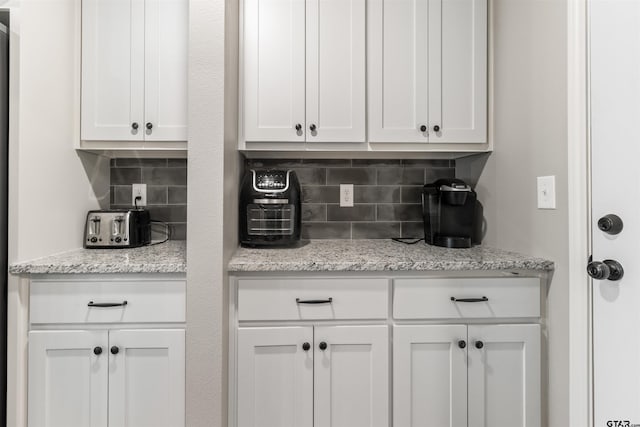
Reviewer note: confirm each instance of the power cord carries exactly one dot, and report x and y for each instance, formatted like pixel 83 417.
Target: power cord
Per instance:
pixel 167 232
pixel 167 229
pixel 407 240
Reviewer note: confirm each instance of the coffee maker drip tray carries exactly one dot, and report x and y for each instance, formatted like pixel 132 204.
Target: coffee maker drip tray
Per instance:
pixel 452 241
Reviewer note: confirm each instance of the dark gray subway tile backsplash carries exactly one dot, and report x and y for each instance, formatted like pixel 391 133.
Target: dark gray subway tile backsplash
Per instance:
pixel 166 181
pixel 387 195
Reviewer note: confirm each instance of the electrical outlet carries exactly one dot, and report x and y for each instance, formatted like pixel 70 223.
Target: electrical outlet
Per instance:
pixel 547 192
pixel 346 195
pixel 139 190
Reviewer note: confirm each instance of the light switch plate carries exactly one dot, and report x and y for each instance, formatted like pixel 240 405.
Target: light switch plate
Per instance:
pixel 547 192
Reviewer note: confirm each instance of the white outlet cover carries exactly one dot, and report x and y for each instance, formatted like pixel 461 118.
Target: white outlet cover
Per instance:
pixel 547 192
pixel 346 195
pixel 139 190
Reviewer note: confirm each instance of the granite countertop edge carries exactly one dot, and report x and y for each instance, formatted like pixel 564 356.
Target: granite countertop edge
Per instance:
pixel 165 258
pixel 380 256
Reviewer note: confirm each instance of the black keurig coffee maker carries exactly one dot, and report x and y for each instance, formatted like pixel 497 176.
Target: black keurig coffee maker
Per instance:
pixel 452 214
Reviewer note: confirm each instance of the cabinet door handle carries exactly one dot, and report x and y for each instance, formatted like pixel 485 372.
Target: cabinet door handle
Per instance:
pixel 423 128
pixel 314 301
pixel 483 299
pixel 115 350
pixel 312 128
pixel 107 304
pixel 298 127
pixel 323 346
pixel 97 350
pixel 479 345
pixel 462 343
pixel 134 125
pixel 306 346
pixel 436 128
pixel 149 125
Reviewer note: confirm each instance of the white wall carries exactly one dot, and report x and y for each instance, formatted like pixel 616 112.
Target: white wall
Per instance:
pixel 50 190
pixel 212 197
pixel 530 124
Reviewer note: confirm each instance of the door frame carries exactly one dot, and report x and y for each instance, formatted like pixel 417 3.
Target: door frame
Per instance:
pixel 579 190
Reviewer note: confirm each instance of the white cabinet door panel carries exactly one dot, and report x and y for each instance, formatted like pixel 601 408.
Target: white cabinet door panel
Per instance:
pixel 67 380
pixel 112 69
pixel 274 70
pixel 335 72
pixel 398 70
pixel 275 377
pixel 429 376
pixel 351 376
pixel 146 378
pixel 504 376
pixel 166 48
pixel 458 71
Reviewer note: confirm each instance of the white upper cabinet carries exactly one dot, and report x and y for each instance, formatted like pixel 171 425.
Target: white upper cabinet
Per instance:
pixel 427 68
pixel 304 70
pixel 134 70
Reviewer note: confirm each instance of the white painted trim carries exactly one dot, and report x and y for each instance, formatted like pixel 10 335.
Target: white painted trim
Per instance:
pixel 580 370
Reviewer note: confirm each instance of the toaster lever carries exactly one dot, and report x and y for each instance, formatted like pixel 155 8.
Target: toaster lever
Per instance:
pixel 117 225
pixel 94 226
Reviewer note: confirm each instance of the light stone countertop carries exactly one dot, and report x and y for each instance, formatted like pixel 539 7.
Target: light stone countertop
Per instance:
pixel 379 255
pixel 168 257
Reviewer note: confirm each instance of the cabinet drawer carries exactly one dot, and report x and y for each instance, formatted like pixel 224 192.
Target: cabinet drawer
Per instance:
pixel 68 301
pixel 290 299
pixel 432 298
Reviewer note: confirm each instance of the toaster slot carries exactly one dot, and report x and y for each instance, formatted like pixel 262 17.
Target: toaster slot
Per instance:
pixel 270 220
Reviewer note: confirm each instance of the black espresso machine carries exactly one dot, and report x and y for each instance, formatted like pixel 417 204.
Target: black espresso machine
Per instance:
pixel 270 213
pixel 452 214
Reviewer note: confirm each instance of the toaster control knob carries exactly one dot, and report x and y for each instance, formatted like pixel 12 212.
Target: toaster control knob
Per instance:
pixel 94 239
pixel 118 239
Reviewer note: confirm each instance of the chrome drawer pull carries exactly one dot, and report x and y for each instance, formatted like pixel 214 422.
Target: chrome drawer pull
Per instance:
pixel 314 301
pixel 483 299
pixel 107 304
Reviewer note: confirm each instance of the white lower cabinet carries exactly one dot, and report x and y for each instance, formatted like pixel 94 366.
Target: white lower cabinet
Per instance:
pixel 466 376
pixel 306 376
pixel 115 378
pixel 68 382
pixel 504 376
pixel 316 351
pixel 88 372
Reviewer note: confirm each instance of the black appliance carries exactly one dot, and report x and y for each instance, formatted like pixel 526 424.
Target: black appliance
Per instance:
pixel 270 213
pixel 117 228
pixel 452 214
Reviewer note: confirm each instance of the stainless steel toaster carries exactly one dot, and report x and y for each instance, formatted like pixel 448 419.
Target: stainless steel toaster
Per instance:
pixel 117 228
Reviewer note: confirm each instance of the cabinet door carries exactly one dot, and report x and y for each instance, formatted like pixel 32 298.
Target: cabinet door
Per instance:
pixel 146 378
pixel 504 376
pixel 458 71
pixel 67 380
pixel 166 48
pixel 351 385
pixel 274 74
pixel 335 53
pixel 275 377
pixel 398 70
pixel 429 376
pixel 112 69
